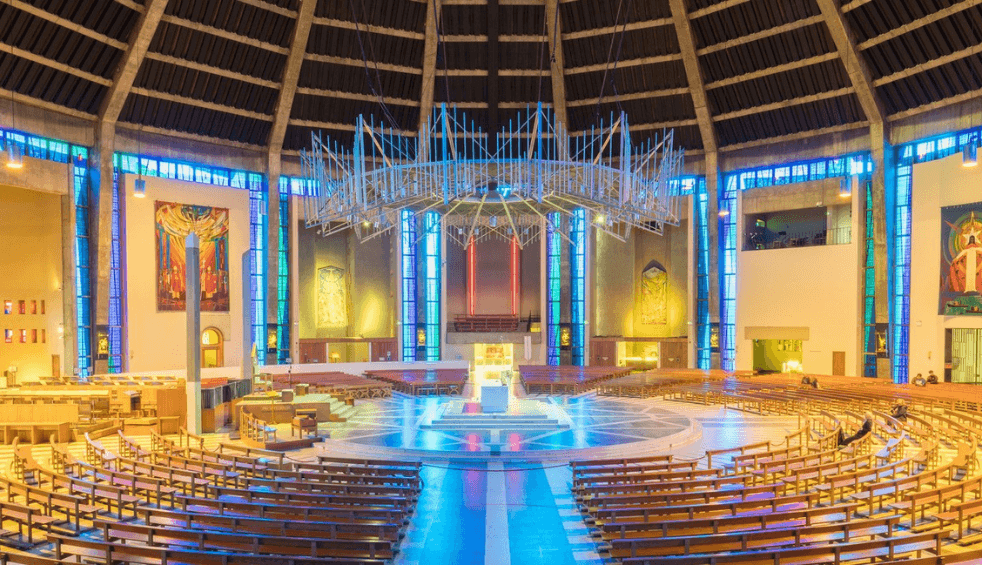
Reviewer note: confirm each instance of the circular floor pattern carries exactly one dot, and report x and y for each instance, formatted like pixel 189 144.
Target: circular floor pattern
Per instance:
pixel 589 427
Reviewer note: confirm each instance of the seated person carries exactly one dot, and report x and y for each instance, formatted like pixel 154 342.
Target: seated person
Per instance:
pixel 899 411
pixel 932 378
pixel 867 428
pixel 918 380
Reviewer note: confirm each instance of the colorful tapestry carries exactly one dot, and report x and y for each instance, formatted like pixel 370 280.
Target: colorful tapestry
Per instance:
pixel 961 260
pixel 173 224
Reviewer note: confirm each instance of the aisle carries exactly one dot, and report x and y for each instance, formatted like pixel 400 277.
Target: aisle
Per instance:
pixel 496 514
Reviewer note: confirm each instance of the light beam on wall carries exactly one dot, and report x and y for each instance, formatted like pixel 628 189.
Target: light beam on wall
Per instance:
pixel 15 160
pixel 970 154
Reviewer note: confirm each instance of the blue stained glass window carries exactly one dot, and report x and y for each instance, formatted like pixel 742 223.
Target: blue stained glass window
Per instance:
pixel 869 289
pixel 553 266
pixel 115 320
pixel 283 274
pixel 701 228
pixel 432 257
pixel 83 287
pixel 577 251
pixel 256 184
pixel 407 276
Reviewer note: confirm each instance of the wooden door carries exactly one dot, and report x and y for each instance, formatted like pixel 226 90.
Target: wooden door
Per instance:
pixel 56 366
pixel 603 353
pixel 673 354
pixel 839 363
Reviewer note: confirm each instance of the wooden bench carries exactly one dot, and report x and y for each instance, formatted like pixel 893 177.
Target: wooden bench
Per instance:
pixel 109 552
pixel 766 538
pixel 260 544
pixel 72 507
pixel 27 520
pixel 752 520
pixel 320 529
pixel 832 554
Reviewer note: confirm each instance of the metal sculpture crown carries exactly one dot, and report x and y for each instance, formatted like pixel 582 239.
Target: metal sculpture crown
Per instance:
pixel 537 174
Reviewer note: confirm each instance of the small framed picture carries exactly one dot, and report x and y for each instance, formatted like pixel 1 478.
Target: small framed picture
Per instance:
pixel 34 307
pixel 23 336
pixel 8 336
pixel 22 306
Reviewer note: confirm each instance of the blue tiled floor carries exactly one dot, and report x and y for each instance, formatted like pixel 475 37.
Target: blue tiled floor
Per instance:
pixel 451 521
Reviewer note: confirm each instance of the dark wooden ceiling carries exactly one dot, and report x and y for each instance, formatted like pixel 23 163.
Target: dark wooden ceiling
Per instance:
pixel 768 68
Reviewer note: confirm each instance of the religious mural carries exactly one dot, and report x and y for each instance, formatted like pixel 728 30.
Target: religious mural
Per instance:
pixel 654 294
pixel 961 260
pixel 174 222
pixel 332 298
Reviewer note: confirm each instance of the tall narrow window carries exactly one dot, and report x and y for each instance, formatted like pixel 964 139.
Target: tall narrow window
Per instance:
pixel 577 267
pixel 407 275
pixel 432 292
pixel 553 287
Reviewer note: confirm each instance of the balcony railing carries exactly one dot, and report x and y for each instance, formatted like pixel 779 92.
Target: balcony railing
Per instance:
pixel 756 240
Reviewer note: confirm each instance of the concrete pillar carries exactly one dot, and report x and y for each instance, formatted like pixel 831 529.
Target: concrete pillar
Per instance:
pixel 192 254
pixel 273 244
pixel 884 176
pixel 247 316
pixel 713 179
pixel 691 290
pixel 295 208
pixel 69 334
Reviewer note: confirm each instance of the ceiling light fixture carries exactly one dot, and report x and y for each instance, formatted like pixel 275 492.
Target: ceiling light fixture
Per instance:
pixel 535 176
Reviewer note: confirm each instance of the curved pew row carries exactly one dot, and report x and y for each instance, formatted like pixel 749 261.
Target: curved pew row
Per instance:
pixel 183 503
pixel 908 491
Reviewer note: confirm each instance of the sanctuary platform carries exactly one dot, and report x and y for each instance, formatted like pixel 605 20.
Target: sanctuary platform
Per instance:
pixel 533 429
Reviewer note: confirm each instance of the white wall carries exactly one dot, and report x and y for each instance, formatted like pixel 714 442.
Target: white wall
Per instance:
pixel 157 340
pixel 817 288
pixel 939 183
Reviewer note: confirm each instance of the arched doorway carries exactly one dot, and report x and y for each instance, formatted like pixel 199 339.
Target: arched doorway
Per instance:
pixel 212 348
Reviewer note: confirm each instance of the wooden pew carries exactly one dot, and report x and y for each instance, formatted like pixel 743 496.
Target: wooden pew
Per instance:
pixel 259 544
pixel 753 520
pixel 109 552
pixel 767 538
pixel 319 529
pixel 832 554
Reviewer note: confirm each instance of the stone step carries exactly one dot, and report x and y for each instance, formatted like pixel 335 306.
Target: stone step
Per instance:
pixel 496 417
pixel 496 426
pixel 492 421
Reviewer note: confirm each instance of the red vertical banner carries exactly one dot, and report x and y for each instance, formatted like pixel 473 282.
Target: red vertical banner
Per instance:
pixel 516 276
pixel 471 276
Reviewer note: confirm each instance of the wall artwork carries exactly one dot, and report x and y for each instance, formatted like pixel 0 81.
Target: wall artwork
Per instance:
pixel 961 260
pixel 173 224
pixel 654 294
pixel 332 298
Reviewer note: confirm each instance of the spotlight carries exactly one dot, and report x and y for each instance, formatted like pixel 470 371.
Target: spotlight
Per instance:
pixel 970 154
pixel 14 158
pixel 599 218
pixel 139 188
pixel 724 213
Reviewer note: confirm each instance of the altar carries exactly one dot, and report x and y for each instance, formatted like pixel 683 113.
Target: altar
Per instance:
pixel 494 398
